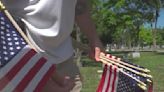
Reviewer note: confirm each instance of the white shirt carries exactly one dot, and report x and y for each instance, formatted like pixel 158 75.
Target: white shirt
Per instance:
pixel 49 24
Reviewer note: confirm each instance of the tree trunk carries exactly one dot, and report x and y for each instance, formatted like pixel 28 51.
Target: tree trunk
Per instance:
pixel 154 31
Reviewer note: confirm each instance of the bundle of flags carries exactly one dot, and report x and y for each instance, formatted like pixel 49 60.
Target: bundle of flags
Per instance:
pixel 22 69
pixel 121 76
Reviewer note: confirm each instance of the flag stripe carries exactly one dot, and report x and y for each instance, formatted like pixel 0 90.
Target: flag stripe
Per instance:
pixel 24 82
pixel 44 79
pixel 21 74
pixel 109 79
pixel 33 85
pixel 9 76
pixel 100 87
pixel 150 88
pixel 114 80
pixel 106 80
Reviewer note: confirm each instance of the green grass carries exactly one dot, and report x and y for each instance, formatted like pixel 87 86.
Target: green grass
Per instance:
pixel 152 61
pixel 90 76
pixel 91 79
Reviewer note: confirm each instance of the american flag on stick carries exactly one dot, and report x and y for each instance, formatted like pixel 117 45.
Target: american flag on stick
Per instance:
pixel 115 81
pixel 22 69
pixel 119 79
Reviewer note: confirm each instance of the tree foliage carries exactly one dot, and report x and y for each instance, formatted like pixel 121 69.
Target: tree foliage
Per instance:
pixel 120 21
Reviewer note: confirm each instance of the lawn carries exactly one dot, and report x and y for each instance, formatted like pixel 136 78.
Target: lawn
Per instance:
pixel 152 61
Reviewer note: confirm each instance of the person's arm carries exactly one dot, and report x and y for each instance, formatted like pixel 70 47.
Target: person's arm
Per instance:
pixel 84 21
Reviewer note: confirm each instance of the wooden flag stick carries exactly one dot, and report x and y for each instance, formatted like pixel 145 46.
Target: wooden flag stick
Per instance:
pixel 126 64
pixel 148 78
pixel 2 7
pixel 140 83
pixel 127 68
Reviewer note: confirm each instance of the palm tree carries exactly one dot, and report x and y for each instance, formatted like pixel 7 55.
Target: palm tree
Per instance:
pixel 157 4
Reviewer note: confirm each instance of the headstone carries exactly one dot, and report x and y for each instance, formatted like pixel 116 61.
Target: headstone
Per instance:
pixel 136 54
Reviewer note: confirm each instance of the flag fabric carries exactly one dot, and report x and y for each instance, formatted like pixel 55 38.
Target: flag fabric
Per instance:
pixel 109 80
pixel 21 68
pixel 113 80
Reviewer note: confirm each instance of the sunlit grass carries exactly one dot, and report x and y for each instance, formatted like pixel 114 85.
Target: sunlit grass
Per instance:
pixel 154 62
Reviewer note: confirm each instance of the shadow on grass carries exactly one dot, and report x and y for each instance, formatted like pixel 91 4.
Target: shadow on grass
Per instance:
pixel 86 62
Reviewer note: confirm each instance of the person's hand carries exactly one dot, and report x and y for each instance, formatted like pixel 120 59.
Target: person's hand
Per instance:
pixel 63 81
pixel 58 85
pixel 95 53
pixel 67 84
pixel 95 49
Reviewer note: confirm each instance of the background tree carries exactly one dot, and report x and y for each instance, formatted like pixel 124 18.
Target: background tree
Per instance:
pixel 145 37
pixel 157 5
pixel 118 18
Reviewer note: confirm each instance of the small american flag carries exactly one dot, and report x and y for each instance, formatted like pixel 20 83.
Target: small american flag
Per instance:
pixel 109 80
pixel 113 80
pixel 21 68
